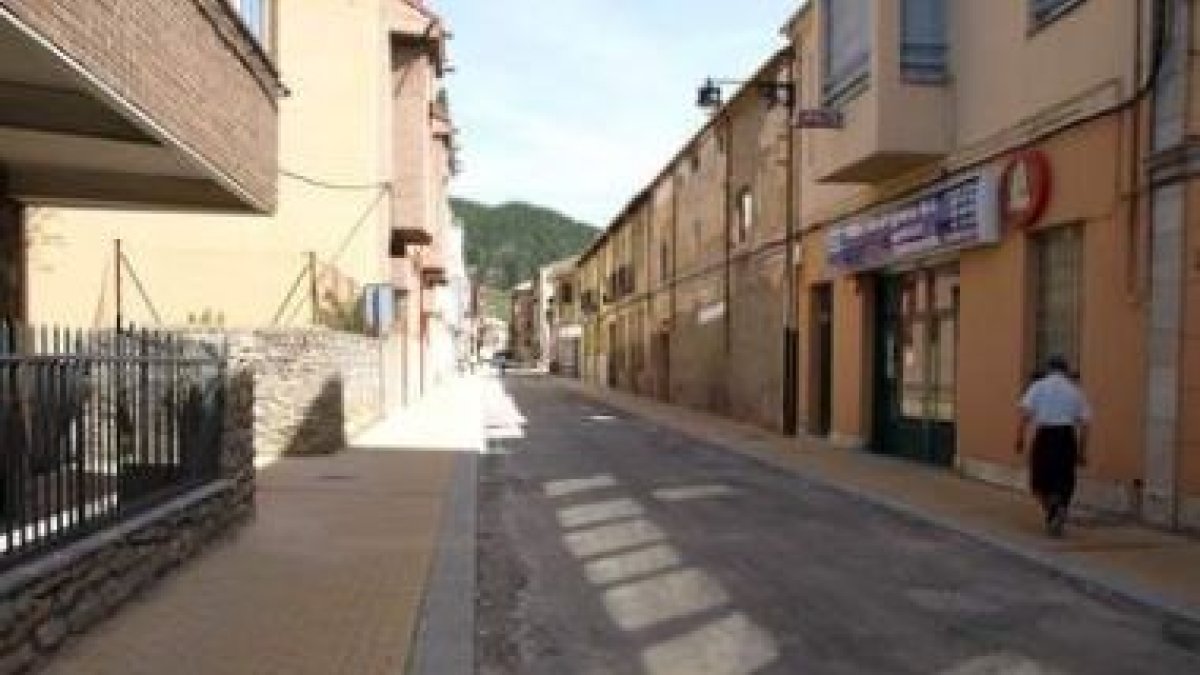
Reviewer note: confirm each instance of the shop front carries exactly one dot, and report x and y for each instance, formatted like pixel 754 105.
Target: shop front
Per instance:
pixel 905 256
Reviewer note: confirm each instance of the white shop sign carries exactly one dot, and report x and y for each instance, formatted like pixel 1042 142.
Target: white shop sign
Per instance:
pixel 958 214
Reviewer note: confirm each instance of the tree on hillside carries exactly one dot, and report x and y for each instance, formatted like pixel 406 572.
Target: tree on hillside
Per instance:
pixel 506 244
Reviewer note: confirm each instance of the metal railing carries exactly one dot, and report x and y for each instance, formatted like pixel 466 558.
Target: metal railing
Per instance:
pixel 96 426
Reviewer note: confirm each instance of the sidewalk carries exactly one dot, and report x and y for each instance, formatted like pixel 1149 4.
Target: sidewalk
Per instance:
pixel 1154 568
pixel 328 579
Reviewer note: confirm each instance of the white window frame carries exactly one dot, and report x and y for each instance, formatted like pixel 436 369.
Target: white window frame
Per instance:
pixel 745 214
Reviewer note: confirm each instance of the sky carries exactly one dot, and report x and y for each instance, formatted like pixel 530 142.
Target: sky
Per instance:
pixel 577 104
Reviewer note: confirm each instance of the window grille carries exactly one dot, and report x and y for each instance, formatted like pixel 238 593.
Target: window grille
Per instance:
pixel 1059 282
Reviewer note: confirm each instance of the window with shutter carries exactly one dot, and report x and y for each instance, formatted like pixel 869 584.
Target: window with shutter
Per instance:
pixel 923 43
pixel 847 52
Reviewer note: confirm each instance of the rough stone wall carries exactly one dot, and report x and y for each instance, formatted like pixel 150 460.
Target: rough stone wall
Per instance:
pixel 699 352
pixel 51 600
pixel 758 286
pixel 314 389
pixel 186 64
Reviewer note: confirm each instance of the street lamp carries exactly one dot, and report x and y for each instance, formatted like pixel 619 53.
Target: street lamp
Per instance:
pixel 711 97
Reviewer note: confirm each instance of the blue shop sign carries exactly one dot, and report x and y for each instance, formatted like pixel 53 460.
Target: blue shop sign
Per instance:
pixel 958 215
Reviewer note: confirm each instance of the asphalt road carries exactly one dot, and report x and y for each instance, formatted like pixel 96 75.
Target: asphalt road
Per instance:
pixel 609 545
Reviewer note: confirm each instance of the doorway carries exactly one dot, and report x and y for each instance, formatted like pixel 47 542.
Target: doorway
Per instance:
pixel 662 365
pixel 822 359
pixel 614 355
pixel 917 364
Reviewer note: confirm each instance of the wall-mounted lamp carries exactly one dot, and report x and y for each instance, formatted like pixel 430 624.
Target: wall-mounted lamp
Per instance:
pixel 711 97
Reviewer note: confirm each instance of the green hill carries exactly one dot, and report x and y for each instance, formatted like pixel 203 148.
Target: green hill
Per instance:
pixel 506 244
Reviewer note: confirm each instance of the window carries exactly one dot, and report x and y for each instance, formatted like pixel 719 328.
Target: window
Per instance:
pixel 847 50
pixel 923 46
pixel 254 14
pixel 745 214
pixel 1058 266
pixel 1042 12
pixel 664 261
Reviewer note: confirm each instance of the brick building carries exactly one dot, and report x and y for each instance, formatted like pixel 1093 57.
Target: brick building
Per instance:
pixel 524 327
pixel 126 103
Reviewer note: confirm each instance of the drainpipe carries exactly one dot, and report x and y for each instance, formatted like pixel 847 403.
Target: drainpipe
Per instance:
pixel 726 404
pixel 676 323
pixel 791 333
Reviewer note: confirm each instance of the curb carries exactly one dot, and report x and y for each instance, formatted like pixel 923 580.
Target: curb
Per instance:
pixel 445 639
pixel 1181 621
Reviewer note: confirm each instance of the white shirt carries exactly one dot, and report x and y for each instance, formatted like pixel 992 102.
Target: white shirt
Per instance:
pixel 1055 401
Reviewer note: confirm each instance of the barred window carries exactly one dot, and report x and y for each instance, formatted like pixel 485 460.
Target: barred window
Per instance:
pixel 847 50
pixel 923 45
pixel 1058 266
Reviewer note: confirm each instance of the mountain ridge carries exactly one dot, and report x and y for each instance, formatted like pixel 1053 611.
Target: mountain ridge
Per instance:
pixel 507 243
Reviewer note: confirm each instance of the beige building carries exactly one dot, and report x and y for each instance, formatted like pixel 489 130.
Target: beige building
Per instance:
pixel 564 325
pixel 976 186
pixel 192 126
pixel 359 233
pixel 688 283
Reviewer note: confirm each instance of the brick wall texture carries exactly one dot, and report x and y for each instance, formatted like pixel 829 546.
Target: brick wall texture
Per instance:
pixel 185 65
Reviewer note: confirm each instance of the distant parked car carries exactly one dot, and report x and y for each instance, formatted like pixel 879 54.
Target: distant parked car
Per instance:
pixel 502 360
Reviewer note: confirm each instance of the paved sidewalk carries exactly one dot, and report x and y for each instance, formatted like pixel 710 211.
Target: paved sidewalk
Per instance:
pixel 1159 569
pixel 328 579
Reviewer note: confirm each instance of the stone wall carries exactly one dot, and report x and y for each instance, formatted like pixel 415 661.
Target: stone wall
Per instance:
pixel 46 602
pixel 314 388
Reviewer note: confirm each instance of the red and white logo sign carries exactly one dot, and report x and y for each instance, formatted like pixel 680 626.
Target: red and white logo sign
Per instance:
pixel 1025 189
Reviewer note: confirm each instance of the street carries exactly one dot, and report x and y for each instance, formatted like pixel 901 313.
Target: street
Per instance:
pixel 609 545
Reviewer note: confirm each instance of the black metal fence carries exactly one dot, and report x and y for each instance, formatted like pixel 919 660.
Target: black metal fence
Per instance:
pixel 96 426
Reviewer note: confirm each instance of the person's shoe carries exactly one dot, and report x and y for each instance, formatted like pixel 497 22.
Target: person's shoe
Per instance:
pixel 1058 521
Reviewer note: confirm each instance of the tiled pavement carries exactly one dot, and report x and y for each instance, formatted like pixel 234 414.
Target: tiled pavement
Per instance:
pixel 328 578
pixel 1158 568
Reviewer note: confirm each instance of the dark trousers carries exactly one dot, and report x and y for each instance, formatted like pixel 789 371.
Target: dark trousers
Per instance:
pixel 1052 463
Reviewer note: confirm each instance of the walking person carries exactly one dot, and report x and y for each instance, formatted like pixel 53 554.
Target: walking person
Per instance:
pixel 1059 414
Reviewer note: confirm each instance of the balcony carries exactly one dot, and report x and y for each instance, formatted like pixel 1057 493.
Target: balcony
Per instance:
pixel 896 112
pixel 168 104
